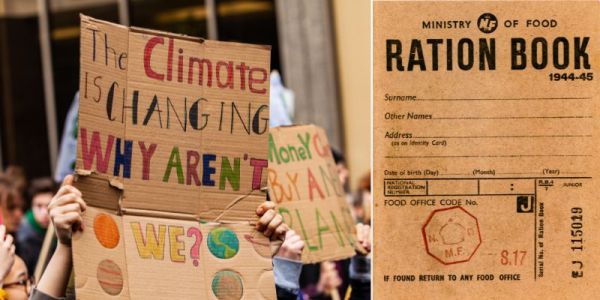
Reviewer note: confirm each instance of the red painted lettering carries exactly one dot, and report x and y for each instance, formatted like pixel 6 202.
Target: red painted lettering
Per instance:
pixel 95 150
pixel 146 156
pixel 192 164
pixel 313 184
pixel 148 57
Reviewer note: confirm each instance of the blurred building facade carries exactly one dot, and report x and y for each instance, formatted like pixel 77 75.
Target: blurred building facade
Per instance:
pixel 320 47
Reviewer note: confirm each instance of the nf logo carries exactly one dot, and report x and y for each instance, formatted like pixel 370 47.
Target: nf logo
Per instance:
pixel 525 204
pixel 487 23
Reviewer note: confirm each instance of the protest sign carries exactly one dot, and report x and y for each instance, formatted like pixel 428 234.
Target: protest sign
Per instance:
pixel 304 183
pixel 171 158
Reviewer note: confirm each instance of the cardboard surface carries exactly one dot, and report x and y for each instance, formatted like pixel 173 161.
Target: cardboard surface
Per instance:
pixel 304 183
pixel 150 117
pixel 485 149
pixel 171 159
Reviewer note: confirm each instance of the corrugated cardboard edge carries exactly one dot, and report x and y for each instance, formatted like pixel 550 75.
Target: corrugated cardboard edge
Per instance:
pixel 166 33
pixel 88 19
pixel 99 190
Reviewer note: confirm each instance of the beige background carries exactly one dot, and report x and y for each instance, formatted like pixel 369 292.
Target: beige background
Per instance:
pixel 352 38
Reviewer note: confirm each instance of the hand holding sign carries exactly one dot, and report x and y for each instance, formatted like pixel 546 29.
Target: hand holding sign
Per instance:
pixel 270 222
pixel 292 246
pixel 65 211
pixel 7 253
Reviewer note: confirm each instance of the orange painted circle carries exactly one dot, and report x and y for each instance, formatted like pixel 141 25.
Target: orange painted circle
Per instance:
pixel 106 230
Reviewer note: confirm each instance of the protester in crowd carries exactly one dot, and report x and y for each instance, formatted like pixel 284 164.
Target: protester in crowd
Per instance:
pixel 32 230
pixel 360 266
pixel 320 280
pixel 7 253
pixel 343 172
pixel 16 176
pixel 287 264
pixel 14 280
pixel 361 204
pixel 11 205
pixel 66 210
pixel 329 283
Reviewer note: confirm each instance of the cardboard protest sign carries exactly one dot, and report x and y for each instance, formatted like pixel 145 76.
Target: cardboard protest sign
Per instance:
pixel 486 149
pixel 304 183
pixel 171 158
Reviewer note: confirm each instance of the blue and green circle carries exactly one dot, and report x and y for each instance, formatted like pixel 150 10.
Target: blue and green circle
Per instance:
pixel 223 243
pixel 227 285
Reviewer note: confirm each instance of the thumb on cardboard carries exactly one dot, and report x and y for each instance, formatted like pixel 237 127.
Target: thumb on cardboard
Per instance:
pixel 68 180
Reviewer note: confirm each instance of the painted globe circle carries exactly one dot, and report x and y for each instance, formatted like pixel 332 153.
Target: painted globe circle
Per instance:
pixel 223 243
pixel 227 285
pixel 110 277
pixel 106 231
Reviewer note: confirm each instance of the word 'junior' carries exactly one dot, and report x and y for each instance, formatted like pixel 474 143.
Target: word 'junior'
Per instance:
pixel 467 54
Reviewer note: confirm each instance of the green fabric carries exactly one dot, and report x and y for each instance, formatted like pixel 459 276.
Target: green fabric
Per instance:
pixel 34 224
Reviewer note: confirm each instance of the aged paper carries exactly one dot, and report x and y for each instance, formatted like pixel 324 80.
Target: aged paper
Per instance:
pixel 486 149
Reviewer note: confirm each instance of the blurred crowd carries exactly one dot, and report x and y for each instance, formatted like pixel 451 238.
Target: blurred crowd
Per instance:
pixel 25 220
pixel 349 278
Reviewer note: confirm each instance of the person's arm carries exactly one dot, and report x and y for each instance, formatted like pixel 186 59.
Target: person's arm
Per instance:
pixel 37 295
pixel 65 210
pixel 287 263
pixel 270 223
pixel 285 294
pixel 56 276
pixel 7 253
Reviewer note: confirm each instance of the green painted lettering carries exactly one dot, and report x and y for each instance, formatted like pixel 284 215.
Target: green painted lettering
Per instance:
pixel 174 162
pixel 305 143
pixel 310 247
pixel 229 174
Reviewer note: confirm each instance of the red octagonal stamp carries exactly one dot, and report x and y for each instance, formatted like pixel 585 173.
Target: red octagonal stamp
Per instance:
pixel 451 235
